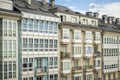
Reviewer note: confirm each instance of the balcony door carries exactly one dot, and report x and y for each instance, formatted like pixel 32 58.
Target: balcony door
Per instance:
pixel 39 78
pixel 39 63
pixel 64 48
pixel 76 63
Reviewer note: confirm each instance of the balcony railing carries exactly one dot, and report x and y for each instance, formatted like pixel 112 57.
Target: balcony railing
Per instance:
pixel 41 69
pixel 88 67
pixel 97 54
pixel 97 78
pixel 65 55
pixel 77 68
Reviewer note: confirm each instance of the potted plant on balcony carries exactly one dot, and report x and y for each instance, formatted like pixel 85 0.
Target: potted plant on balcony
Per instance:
pixel 62 54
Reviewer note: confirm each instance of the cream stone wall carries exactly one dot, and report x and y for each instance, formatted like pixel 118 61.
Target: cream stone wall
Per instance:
pixel 6 4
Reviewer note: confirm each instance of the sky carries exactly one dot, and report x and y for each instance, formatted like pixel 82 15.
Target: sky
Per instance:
pixel 104 7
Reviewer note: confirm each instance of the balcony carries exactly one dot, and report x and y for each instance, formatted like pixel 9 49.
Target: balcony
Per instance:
pixel 97 54
pixel 88 67
pixel 65 55
pixel 41 70
pixel 97 78
pixel 76 68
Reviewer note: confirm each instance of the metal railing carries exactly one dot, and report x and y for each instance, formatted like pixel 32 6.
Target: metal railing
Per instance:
pixel 97 54
pixel 88 67
pixel 41 69
pixel 76 68
pixel 65 55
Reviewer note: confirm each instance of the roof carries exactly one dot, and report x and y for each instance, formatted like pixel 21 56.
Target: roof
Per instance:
pixel 11 12
pixel 35 7
pixel 80 25
pixel 108 27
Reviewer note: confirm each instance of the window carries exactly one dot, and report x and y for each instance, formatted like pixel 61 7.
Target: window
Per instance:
pixel 88 35
pixel 10 28
pixel 5 27
pixel 63 18
pixel 30 24
pixel 51 27
pixel 30 64
pixel 25 42
pixel 55 76
pixel 25 61
pixel 35 43
pixel 77 35
pixel 46 43
pixel 77 78
pixel 10 48
pixel 88 77
pixel 35 24
pixel 25 78
pixel 40 26
pixel 30 78
pixel 14 74
pixel 65 66
pixel 98 63
pixel 24 23
pixel 51 77
pixel 14 28
pixel 74 20
pixel 50 43
pixel 5 48
pixel 10 66
pixel 14 66
pixel 85 21
pixel 55 61
pixel 51 61
pixel 41 43
pixel 5 75
pixel 5 66
pixel 88 49
pixel 46 27
pixel 86 63
pixel 55 28
pixel 55 43
pixel 65 33
pixel 14 48
pixel 10 74
pixel 30 43
pixel 76 49
pixel 97 36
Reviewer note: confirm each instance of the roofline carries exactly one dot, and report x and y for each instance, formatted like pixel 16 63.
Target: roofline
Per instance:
pixel 16 14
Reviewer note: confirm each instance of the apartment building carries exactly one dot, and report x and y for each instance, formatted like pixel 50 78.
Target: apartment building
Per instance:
pixel 79 46
pixel 8 41
pixel 38 36
pixel 110 45
pixel 45 41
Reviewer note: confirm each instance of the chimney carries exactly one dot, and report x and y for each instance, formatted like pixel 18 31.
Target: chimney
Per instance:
pixel 52 2
pixel 113 19
pixel 117 21
pixel 104 18
pixel 43 2
pixel 110 20
pixel 29 2
pixel 96 14
pixel 89 14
